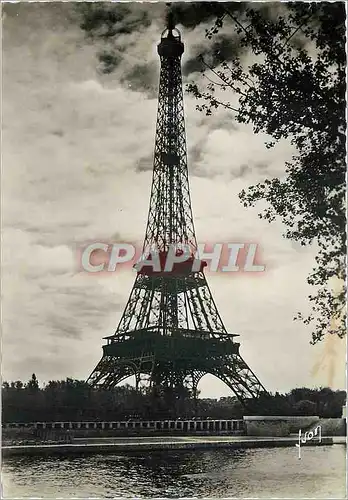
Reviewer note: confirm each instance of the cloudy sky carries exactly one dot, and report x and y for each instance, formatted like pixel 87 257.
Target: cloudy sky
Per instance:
pixel 77 154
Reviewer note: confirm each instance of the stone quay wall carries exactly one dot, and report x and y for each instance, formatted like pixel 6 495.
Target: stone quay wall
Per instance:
pixel 333 426
pixel 277 425
pixel 286 425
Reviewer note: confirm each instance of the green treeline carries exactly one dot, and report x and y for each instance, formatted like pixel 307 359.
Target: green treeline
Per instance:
pixel 74 400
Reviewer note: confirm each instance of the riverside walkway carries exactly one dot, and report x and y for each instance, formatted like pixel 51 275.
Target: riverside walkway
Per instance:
pixel 140 444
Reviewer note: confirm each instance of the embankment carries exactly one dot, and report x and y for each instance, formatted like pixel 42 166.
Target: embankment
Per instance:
pixel 122 445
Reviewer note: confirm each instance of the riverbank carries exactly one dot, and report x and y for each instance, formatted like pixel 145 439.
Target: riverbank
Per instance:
pixel 116 445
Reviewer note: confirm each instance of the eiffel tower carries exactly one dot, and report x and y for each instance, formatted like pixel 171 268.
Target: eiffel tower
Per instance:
pixel 171 333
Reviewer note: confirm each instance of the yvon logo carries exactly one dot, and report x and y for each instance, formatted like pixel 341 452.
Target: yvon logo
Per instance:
pixel 308 436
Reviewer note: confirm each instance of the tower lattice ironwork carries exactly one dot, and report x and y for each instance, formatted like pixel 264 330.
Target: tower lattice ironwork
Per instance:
pixel 171 331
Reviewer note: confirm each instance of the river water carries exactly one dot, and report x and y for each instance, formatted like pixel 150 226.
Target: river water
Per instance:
pixel 262 473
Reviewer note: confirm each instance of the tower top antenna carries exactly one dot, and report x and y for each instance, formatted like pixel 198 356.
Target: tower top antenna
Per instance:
pixel 170 20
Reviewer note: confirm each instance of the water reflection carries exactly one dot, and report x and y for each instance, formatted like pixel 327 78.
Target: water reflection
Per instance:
pixel 262 473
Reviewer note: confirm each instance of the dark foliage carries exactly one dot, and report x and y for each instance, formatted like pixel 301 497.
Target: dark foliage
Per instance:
pixel 74 400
